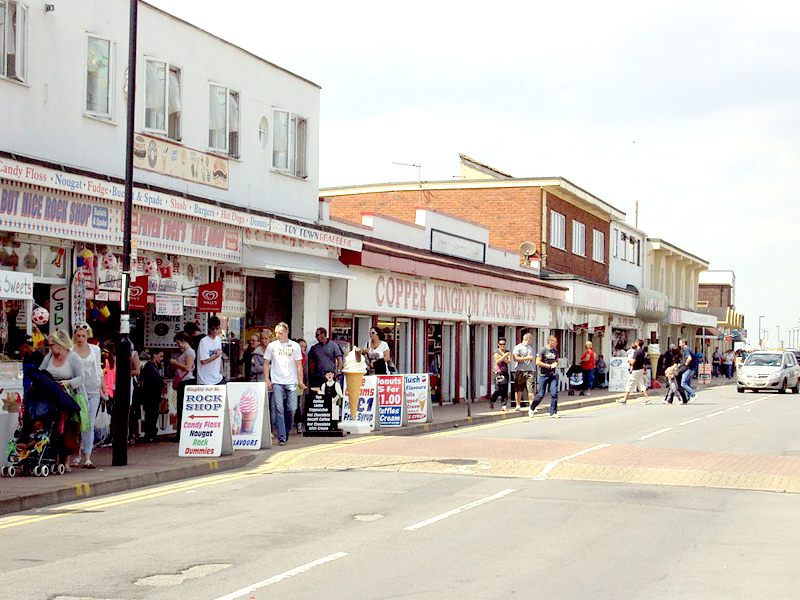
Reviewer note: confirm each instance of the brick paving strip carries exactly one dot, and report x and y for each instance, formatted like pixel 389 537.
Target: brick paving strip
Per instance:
pixel 529 458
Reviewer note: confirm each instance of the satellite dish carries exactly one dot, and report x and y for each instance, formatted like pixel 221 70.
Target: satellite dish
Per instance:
pixel 527 249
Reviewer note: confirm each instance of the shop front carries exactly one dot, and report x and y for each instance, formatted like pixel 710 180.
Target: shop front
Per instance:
pixel 444 328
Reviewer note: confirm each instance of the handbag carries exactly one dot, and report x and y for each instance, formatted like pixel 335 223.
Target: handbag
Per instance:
pixel 499 378
pixel 176 380
pixel 102 423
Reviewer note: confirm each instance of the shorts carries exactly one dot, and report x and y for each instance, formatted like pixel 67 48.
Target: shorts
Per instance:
pixel 636 380
pixel 525 380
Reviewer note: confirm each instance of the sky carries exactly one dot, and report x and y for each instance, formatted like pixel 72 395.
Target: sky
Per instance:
pixel 691 109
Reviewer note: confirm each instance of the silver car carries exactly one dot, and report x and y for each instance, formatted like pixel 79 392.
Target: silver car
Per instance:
pixel 769 370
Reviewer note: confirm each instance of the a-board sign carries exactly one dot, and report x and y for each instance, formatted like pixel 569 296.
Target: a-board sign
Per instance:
pixel 249 418
pixel 390 400
pixel 367 403
pixel 617 373
pixel 322 414
pixel 704 372
pixel 205 430
pixel 417 397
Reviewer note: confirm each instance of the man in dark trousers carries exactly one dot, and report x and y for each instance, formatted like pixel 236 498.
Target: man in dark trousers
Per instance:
pixel 151 386
pixel 547 361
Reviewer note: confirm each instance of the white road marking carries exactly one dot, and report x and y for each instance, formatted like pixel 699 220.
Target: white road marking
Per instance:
pixel 282 576
pixel 734 407
pixel 455 511
pixel 751 402
pixel 655 433
pixel 719 412
pixel 550 466
pixel 690 421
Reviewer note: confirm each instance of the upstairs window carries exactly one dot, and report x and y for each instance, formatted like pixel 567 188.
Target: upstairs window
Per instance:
pixel 98 78
pixel 558 230
pixel 578 238
pixel 162 113
pixel 289 143
pixel 598 246
pixel 13 39
pixel 223 120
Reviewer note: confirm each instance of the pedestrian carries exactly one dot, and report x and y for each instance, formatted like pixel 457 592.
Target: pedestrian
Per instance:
pixel 674 388
pixel 94 383
pixel 547 361
pixel 31 360
pixel 326 355
pixel 588 364
pixel 300 419
pixel 377 352
pixel 194 333
pixel 246 359
pixel 728 359
pixel 257 361
pixel 636 378
pixel 183 376
pixel 284 378
pixel 500 360
pixel 524 371
pixel 601 371
pixel 151 388
pixel 209 356
pixel 686 372
pixel 716 362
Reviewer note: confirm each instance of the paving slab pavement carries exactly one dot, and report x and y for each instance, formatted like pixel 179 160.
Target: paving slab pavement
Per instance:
pixel 150 464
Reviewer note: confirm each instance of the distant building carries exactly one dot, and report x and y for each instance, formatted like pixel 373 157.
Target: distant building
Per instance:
pixel 717 296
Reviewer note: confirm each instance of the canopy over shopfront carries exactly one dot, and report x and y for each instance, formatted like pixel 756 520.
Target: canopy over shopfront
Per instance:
pixel 734 336
pixel 293 262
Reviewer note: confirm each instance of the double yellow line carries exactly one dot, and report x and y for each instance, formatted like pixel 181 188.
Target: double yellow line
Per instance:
pixel 281 462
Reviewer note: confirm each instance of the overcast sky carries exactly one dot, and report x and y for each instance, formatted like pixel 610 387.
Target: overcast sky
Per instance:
pixel 691 108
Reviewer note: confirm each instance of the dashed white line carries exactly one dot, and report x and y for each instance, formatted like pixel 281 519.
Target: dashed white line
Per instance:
pixel 751 402
pixel 655 433
pixel 550 466
pixel 719 412
pixel 690 421
pixel 734 407
pixel 282 576
pixel 455 511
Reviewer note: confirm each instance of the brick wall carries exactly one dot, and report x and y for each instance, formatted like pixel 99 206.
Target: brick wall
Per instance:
pixel 715 295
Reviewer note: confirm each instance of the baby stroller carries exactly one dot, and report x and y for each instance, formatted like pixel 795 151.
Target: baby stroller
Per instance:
pixel 38 445
pixel 575 375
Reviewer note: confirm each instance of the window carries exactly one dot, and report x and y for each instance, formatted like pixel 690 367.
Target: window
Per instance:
pixel 558 230
pixel 263 133
pixel 98 78
pixel 13 39
pixel 635 248
pixel 162 112
pixel 578 238
pixel 622 246
pixel 223 120
pixel 289 140
pixel 598 246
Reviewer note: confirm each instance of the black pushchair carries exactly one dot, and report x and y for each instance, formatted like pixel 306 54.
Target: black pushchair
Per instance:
pixel 39 443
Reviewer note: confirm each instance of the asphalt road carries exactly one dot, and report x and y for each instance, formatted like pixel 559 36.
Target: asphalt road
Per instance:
pixel 406 524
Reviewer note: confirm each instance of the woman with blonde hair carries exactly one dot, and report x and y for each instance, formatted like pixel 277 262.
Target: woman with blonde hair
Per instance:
pixel 64 365
pixel 588 363
pixel 95 385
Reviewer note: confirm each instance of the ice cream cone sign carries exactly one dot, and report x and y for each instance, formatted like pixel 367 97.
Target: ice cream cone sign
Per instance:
pixel 354 369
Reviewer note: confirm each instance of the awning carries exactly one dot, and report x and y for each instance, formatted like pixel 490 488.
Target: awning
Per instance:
pixel 735 336
pixel 708 331
pixel 293 262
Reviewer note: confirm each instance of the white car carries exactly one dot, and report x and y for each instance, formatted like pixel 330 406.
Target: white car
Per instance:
pixel 769 370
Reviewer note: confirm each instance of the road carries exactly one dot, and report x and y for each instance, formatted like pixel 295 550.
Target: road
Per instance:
pixel 616 502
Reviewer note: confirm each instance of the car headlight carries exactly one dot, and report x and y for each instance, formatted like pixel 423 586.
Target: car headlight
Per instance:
pixel 774 376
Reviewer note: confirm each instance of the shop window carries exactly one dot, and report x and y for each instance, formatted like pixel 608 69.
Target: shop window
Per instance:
pixel 578 238
pixel 48 262
pixel 13 39
pixel 289 143
pixel 98 78
pixel 558 230
pixel 598 246
pixel 162 98
pixel 223 120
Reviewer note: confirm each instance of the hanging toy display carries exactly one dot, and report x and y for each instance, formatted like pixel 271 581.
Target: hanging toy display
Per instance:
pixel 150 267
pixel 59 259
pixel 13 259
pixel 110 261
pixel 30 261
pixel 40 315
pixel 86 259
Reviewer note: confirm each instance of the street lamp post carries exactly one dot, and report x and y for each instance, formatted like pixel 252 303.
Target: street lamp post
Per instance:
pixel 122 395
pixel 778 338
pixel 760 345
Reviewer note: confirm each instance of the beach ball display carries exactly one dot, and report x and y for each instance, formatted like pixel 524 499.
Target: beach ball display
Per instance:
pixel 40 315
pixel 150 266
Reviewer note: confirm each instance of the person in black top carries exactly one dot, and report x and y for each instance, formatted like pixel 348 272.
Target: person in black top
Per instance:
pixel 31 360
pixel 151 385
pixel 547 361
pixel 247 356
pixel 637 375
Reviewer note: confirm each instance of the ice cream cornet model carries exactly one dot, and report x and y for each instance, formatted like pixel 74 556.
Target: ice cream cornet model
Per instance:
pixel 354 369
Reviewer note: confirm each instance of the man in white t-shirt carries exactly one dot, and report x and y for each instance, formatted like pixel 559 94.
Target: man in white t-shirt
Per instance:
pixel 283 372
pixel 209 356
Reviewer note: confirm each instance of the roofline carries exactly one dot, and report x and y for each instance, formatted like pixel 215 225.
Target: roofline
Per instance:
pixel 477 163
pixel 674 247
pixel 516 182
pixel 256 56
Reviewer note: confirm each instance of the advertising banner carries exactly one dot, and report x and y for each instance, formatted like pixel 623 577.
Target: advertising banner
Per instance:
pixel 390 400
pixel 137 293
pixel 416 389
pixel 160 330
pixel 249 418
pixel 367 403
pixel 169 234
pixel 322 416
pixel 205 430
pixel 169 305
pixel 209 297
pixel 173 160
pixel 234 303
pixel 617 373
pixel 16 286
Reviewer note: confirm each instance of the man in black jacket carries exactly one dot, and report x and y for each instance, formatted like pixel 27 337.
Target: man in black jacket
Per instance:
pixel 151 386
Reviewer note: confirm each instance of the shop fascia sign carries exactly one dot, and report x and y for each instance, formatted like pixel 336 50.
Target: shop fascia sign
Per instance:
pixel 601 299
pixel 16 286
pixel 43 176
pixel 401 295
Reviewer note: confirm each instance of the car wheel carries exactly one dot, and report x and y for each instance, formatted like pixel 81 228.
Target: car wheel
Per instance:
pixel 796 388
pixel 740 390
pixel 782 389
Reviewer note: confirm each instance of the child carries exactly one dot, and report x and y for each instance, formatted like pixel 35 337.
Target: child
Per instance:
pixel 37 435
pixel 673 382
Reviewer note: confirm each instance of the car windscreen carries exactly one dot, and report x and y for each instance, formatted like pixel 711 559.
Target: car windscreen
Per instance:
pixel 763 360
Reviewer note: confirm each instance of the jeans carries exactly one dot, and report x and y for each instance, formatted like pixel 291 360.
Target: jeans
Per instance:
pixel 284 402
pixel 588 379
pixel 87 437
pixel 728 370
pixel 545 383
pixel 686 379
